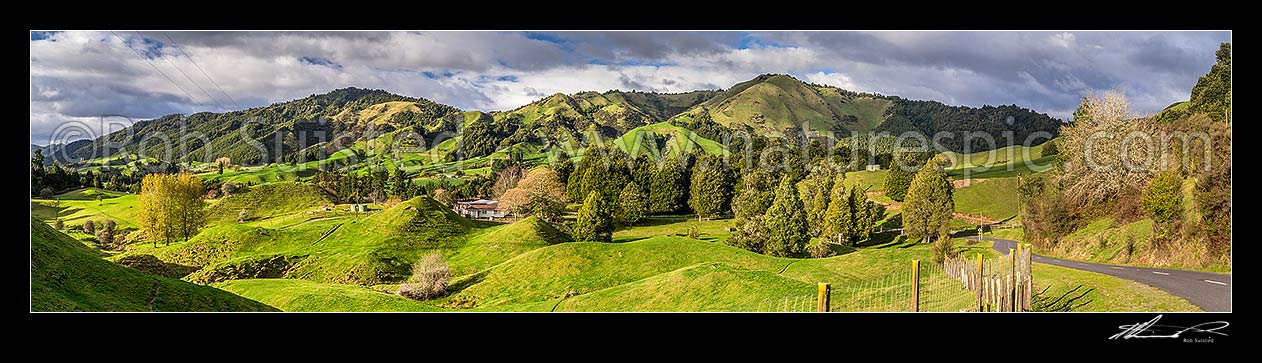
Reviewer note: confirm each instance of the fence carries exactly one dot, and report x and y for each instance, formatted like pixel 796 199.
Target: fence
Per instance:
pixel 959 284
pixel 1004 284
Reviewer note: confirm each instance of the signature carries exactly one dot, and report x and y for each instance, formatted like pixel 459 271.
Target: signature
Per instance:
pixel 1151 329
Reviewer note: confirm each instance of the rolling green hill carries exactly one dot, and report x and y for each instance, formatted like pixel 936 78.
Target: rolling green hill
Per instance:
pixel 664 139
pixel 780 102
pixel 346 249
pixel 777 103
pixel 78 206
pixel 236 134
pixel 268 201
pixel 68 276
pixel 303 295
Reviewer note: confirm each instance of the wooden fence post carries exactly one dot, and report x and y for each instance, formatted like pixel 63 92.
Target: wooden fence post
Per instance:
pixel 825 292
pixel 1011 291
pixel 981 291
pixel 915 285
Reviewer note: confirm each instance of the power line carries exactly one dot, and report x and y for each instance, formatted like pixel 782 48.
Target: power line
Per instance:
pixel 199 68
pixel 164 75
pixel 190 79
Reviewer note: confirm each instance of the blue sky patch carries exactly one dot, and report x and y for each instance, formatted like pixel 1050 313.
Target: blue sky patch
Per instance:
pixel 320 61
pixel 42 35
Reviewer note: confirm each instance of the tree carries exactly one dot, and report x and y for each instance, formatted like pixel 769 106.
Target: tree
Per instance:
pixel 862 217
pixel 563 166
pixel 786 222
pixel 189 208
pixel 643 170
pixel 59 225
pixel 594 222
pixel 46 193
pixel 1164 197
pixel 170 206
pixel 899 177
pixel 223 162
pixel 632 204
pixel 710 191
pixel 815 192
pixel 515 201
pixel 839 217
pixel 1082 114
pixel 927 212
pixel 1049 149
pixel 507 179
pixel 756 194
pixel 1097 169
pixel 540 194
pixel 1212 93
pixel 669 189
pixel 751 235
pixel 400 184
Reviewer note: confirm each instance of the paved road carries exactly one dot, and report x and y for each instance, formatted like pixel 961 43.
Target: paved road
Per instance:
pixel 1207 290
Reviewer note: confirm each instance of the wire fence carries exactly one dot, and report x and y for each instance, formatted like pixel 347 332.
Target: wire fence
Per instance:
pixel 958 284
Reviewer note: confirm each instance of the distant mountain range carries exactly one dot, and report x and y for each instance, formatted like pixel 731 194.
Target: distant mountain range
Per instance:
pixel 768 104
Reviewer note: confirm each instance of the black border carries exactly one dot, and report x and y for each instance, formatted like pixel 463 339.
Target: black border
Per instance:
pixel 971 334
pixel 679 15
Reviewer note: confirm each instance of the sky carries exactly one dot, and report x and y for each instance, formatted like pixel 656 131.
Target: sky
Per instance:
pixel 83 81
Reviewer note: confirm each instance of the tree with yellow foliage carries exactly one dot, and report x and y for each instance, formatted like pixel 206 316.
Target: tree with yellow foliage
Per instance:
pixel 170 206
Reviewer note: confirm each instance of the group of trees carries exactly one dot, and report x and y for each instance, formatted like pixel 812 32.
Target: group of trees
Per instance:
pixel 170 207
pixel 627 190
pixel 1098 176
pixel 375 186
pixel 48 181
pixel 901 172
pixel 539 193
pixel 999 122
pixel 777 214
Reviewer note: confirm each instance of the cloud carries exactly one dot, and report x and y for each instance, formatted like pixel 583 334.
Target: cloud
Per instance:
pixel 77 75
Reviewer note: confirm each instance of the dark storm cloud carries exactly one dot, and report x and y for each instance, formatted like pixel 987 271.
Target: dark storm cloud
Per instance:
pixel 646 46
pixel 1044 70
pixel 88 74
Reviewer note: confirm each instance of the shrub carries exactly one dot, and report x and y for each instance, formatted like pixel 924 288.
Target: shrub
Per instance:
pixel 59 225
pixel 243 216
pixel 46 192
pixel 1130 246
pixel 89 227
pixel 1049 148
pixel 694 233
pixel 429 278
pixel 105 238
pixel 228 188
pixel 820 249
pixel 109 225
pixel 943 249
pixel 1164 198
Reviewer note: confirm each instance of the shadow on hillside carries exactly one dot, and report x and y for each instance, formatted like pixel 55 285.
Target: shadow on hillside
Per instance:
pixel 464 283
pixel 839 250
pixel 663 220
pixel 879 240
pixel 893 222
